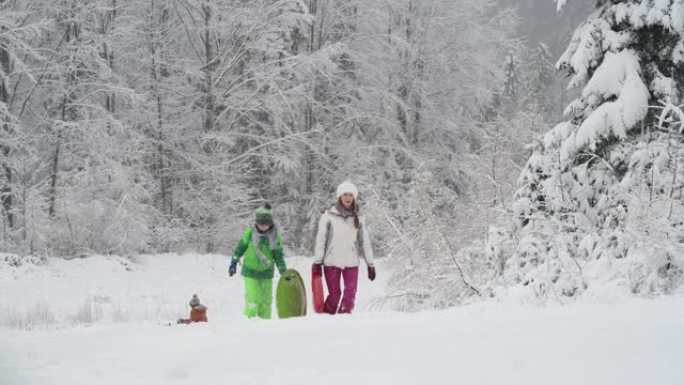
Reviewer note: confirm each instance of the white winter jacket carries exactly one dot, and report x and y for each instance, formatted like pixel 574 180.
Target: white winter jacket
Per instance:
pixel 339 243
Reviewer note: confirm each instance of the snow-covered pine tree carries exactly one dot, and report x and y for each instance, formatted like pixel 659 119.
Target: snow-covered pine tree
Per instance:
pixel 511 93
pixel 598 199
pixel 540 81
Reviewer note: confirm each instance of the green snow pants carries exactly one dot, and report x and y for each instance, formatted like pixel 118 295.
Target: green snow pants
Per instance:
pixel 258 297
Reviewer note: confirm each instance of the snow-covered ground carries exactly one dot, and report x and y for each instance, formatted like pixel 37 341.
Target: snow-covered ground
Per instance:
pixel 103 320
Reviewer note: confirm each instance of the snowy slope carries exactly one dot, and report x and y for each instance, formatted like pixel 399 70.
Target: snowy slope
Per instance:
pixel 630 341
pixel 105 289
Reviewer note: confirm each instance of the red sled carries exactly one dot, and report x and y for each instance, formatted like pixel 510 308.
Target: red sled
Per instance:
pixel 318 294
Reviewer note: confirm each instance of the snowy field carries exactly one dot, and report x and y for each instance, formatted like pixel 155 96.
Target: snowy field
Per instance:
pixel 103 320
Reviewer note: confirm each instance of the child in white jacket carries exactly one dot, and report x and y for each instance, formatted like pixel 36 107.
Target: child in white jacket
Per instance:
pixel 342 239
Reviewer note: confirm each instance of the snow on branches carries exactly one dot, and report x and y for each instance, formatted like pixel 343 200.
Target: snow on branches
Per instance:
pixel 600 200
pixel 616 79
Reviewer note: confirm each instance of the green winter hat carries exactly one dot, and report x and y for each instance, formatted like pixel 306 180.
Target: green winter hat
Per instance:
pixel 264 215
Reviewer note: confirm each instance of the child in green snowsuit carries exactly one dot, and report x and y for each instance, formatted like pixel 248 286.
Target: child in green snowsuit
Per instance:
pixel 262 247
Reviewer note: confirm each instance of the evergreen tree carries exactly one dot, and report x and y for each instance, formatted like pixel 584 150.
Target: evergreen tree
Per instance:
pixel 540 81
pixel 511 93
pixel 580 191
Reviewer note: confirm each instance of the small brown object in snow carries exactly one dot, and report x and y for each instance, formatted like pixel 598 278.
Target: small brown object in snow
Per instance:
pixel 198 312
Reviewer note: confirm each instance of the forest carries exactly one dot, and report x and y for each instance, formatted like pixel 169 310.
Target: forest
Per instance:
pixel 489 151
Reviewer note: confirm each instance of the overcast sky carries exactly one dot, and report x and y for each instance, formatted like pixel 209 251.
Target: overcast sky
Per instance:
pixel 541 23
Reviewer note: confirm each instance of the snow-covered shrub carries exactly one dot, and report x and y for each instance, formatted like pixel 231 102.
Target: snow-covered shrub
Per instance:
pixel 37 315
pixel 428 268
pixel 9 261
pixel 88 313
pixel 655 271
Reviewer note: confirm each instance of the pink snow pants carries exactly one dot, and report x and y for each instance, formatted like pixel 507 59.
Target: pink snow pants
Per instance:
pixel 350 275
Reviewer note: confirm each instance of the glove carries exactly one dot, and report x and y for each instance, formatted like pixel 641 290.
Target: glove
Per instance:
pixel 371 273
pixel 232 269
pixel 317 269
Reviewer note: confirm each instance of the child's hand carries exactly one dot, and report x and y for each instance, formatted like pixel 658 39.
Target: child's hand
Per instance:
pixel 317 269
pixel 232 269
pixel 371 273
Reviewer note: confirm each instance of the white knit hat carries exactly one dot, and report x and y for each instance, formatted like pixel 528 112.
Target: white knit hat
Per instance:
pixel 347 187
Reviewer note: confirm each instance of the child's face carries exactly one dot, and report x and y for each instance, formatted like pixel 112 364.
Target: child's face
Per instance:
pixel 347 199
pixel 262 227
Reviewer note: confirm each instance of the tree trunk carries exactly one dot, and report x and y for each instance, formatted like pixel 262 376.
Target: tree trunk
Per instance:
pixel 68 114
pixel 163 162
pixel 6 193
pixel 209 68
pixel 312 168
pixel 53 180
pixel 313 8
pixel 160 166
pixel 404 90
pixel 108 54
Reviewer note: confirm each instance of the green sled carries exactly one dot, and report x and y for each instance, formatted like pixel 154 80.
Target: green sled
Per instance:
pixel 291 295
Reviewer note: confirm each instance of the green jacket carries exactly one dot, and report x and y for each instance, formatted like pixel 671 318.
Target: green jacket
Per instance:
pixel 252 265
